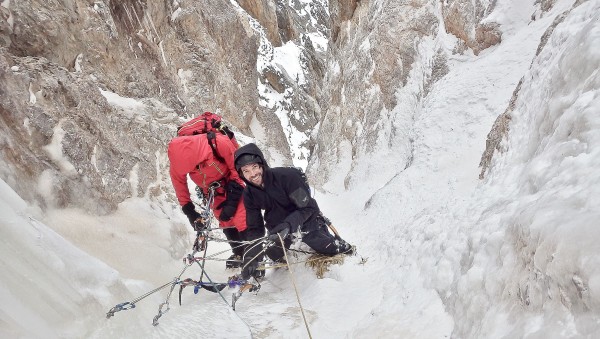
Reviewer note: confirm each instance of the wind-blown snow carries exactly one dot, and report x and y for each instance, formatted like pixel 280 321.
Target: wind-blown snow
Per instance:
pixel 440 253
pixel 129 105
pixel 54 150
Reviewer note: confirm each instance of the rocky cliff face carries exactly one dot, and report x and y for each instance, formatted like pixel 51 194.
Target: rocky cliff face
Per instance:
pixel 373 51
pixel 379 52
pixel 463 19
pixel 68 68
pixel 91 91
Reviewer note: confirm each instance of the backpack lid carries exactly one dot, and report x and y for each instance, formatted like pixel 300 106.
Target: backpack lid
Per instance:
pixel 204 123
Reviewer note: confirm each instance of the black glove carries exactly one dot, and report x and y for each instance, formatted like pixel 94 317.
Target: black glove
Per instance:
pixel 233 194
pixel 249 270
pixel 190 212
pixel 234 190
pixel 282 230
pixel 227 212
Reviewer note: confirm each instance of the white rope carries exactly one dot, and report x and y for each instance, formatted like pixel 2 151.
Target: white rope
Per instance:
pixel 294 284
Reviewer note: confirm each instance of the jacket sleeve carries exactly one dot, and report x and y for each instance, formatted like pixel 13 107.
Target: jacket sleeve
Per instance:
pixel 185 153
pixel 298 192
pixel 179 182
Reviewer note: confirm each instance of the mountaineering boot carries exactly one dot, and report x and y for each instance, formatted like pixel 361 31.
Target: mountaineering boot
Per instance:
pixel 234 261
pixel 346 248
pixel 259 274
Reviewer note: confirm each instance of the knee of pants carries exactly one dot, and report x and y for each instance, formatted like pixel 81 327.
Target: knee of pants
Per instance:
pixel 274 253
pixel 237 250
pixel 321 242
pixel 231 234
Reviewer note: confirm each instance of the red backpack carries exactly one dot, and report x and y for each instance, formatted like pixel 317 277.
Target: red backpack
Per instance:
pixel 207 123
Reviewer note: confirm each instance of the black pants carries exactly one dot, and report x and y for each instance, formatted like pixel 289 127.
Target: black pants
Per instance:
pixel 275 252
pixel 234 237
pixel 323 242
pixel 320 240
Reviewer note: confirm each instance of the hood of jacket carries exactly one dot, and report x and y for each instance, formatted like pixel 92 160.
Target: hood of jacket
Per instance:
pixel 250 149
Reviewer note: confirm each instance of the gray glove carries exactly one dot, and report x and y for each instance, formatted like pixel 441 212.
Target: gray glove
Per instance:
pixel 282 230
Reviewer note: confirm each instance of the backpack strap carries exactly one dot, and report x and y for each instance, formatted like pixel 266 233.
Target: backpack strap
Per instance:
pixel 225 130
pixel 212 141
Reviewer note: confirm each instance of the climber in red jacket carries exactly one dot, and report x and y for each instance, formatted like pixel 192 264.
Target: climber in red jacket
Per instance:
pixel 193 156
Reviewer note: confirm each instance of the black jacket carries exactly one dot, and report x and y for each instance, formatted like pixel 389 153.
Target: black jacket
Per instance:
pixel 285 198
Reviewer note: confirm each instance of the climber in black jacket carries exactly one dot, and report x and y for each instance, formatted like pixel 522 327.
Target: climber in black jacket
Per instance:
pixel 284 195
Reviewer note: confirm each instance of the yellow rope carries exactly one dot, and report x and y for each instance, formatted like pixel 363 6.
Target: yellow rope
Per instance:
pixel 295 289
pixel 320 263
pixel 279 265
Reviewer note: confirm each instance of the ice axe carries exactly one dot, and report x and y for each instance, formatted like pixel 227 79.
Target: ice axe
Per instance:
pixel 330 225
pixel 335 232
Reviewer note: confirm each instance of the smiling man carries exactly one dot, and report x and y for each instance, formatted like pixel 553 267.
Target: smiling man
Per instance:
pixel 284 195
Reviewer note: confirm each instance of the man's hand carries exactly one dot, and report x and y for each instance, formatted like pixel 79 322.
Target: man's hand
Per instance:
pixel 190 212
pixel 282 230
pixel 199 225
pixel 227 212
pixel 232 197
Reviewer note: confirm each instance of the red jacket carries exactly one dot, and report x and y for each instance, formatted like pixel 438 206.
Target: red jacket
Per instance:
pixel 193 156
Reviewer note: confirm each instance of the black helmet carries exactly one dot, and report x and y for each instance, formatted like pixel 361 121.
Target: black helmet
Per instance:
pixel 246 159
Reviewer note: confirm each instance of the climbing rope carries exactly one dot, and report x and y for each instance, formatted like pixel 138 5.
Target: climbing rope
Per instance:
pixel 203 229
pixel 131 304
pixel 295 288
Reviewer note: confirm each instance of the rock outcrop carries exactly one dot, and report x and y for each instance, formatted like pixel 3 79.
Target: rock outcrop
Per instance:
pixel 158 61
pixel 462 18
